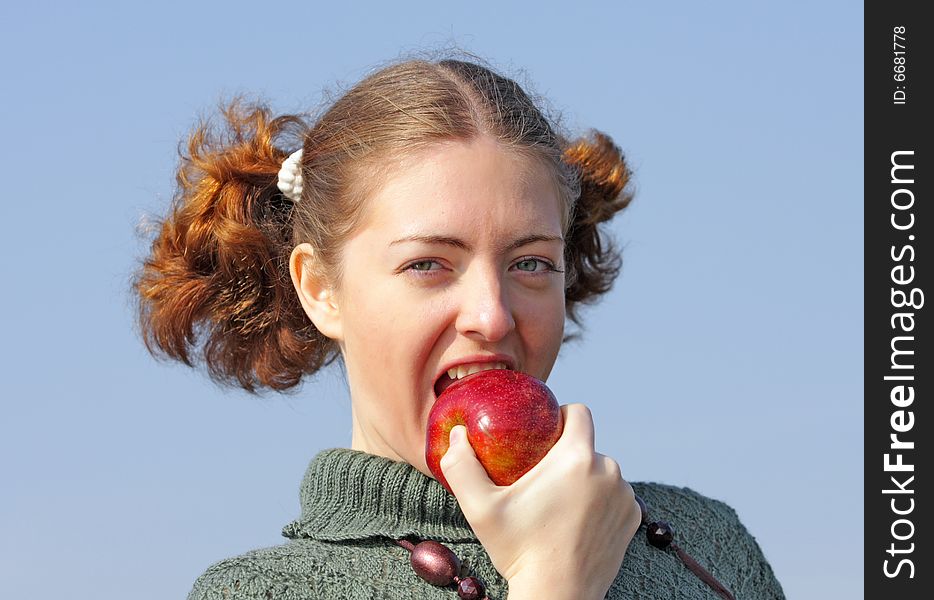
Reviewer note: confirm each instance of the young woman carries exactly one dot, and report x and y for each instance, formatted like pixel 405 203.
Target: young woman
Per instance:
pixel 430 223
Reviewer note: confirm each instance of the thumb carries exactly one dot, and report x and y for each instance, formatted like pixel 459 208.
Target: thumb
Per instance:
pixel 464 474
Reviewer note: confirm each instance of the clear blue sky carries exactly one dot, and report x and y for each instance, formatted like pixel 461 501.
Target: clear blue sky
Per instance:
pixel 728 357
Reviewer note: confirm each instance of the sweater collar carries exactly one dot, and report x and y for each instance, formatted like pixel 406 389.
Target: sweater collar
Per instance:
pixel 350 495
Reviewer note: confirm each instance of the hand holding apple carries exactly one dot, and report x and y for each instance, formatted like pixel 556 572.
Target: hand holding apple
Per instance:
pixel 561 530
pixel 512 420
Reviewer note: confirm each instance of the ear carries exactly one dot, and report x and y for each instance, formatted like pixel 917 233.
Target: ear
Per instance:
pixel 317 297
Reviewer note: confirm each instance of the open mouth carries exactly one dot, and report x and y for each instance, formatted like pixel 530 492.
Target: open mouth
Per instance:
pixel 445 381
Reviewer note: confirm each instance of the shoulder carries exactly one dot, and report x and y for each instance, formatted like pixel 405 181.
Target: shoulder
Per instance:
pixel 261 574
pixel 711 531
pixel 668 502
pixel 306 568
pixel 297 569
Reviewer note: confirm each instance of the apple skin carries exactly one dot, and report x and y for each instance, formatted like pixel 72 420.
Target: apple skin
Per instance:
pixel 512 420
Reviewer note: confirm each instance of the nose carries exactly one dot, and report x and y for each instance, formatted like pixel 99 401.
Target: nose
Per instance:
pixel 485 313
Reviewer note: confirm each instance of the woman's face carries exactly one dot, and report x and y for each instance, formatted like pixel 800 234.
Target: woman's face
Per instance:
pixel 458 262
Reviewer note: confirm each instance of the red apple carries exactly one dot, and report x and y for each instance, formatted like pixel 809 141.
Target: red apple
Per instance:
pixel 512 421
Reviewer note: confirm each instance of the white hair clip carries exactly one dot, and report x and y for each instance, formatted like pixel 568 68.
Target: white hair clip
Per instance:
pixel 290 177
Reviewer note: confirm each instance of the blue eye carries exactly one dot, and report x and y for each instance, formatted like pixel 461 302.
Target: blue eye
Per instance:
pixel 530 265
pixel 423 268
pixel 422 265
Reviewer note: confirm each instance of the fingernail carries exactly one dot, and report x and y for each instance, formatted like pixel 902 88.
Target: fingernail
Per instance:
pixel 457 435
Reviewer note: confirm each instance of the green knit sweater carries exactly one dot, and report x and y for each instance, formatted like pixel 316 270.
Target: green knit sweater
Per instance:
pixel 354 503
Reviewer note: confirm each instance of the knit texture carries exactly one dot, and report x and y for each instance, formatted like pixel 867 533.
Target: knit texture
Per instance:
pixel 354 504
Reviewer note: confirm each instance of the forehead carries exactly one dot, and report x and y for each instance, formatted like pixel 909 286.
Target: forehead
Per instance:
pixel 477 185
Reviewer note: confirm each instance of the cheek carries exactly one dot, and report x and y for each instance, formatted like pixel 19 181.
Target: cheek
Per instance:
pixel 545 354
pixel 541 326
pixel 368 328
pixel 394 326
pixel 552 326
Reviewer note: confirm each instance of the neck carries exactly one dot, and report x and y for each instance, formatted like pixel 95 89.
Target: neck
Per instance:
pixel 366 439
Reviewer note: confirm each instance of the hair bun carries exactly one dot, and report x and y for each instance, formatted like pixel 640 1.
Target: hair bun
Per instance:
pixel 604 177
pixel 594 262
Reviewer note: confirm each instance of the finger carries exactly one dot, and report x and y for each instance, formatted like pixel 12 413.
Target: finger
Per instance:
pixel 464 474
pixel 578 426
pixel 609 466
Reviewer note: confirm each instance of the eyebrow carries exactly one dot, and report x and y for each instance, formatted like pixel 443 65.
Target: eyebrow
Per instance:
pixel 459 243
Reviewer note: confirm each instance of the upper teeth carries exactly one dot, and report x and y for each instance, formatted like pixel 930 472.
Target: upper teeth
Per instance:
pixel 461 371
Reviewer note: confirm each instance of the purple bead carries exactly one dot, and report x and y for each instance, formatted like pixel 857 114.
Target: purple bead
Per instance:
pixel 659 534
pixel 435 563
pixel 644 509
pixel 471 588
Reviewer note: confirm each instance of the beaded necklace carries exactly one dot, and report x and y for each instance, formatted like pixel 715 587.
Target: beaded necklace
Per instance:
pixel 438 565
